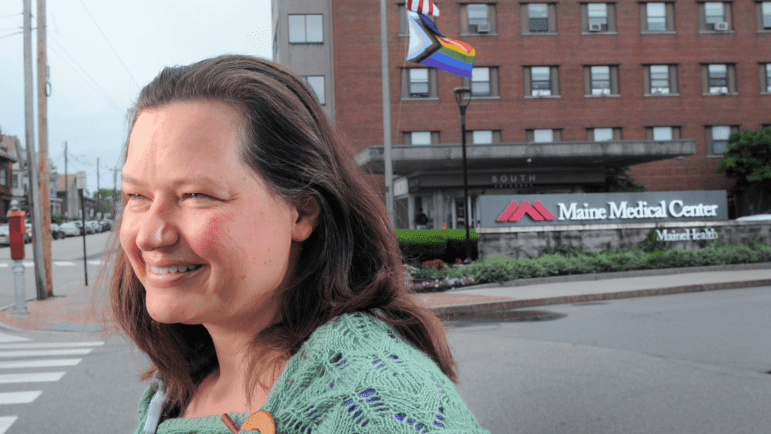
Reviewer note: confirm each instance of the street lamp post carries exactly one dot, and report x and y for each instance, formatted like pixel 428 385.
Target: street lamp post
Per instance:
pixel 463 98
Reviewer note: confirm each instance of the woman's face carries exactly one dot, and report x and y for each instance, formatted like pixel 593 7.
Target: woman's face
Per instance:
pixel 208 241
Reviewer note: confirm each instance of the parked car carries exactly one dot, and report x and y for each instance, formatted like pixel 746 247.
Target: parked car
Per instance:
pixel 28 234
pixel 70 229
pixel 56 232
pixel 94 226
pixel 106 224
pixel 79 224
pixel 5 237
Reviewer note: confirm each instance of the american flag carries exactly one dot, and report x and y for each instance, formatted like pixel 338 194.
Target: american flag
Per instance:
pixel 425 7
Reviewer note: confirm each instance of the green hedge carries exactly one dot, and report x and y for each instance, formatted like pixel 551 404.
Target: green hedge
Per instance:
pixel 425 244
pixel 502 268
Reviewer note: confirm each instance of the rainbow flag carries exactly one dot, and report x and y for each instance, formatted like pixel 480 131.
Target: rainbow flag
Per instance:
pixel 428 46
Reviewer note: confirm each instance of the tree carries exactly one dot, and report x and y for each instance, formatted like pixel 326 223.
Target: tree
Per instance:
pixel 748 160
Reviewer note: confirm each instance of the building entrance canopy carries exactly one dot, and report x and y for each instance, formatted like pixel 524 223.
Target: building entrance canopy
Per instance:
pixel 501 157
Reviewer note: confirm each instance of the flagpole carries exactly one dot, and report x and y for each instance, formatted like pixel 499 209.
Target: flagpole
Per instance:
pixel 389 178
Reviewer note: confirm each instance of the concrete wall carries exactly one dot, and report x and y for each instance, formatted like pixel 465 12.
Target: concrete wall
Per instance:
pixel 530 241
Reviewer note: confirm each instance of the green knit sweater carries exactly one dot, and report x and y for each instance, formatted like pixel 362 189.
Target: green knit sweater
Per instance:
pixel 354 375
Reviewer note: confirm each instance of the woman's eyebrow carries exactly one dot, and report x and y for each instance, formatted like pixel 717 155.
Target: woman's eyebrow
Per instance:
pixel 205 180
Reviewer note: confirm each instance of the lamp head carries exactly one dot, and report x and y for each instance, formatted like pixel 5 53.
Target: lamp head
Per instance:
pixel 462 96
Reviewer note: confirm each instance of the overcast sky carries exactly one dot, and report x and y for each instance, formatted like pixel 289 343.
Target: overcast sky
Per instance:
pixel 101 53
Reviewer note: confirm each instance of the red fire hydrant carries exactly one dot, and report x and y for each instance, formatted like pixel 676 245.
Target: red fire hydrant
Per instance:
pixel 16 229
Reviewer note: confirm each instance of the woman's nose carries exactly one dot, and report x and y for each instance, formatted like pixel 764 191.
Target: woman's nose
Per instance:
pixel 156 230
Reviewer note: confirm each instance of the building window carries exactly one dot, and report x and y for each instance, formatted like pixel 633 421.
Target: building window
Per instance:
pixel 657 17
pixel 662 133
pixel 660 79
pixel 598 17
pixel 719 78
pixel 717 138
pixel 541 81
pixel 603 134
pixel 764 16
pixel 3 176
pixel 483 137
pixel 715 17
pixel 483 82
pixel 316 83
pixel 419 83
pixel 765 78
pixel 601 80
pixel 478 19
pixel 542 135
pixel 14 180
pixel 538 18
pixel 421 138
pixel 305 29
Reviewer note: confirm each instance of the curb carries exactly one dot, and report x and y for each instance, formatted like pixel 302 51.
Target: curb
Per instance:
pixel 448 311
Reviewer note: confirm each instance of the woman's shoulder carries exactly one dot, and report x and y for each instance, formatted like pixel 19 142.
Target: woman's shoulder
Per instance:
pixel 355 373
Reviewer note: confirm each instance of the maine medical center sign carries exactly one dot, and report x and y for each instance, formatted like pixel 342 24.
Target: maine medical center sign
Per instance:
pixel 600 208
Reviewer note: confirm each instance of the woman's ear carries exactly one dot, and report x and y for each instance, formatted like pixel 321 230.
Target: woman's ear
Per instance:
pixel 308 211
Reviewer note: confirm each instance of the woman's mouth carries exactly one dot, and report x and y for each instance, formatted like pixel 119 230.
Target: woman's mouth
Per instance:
pixel 175 269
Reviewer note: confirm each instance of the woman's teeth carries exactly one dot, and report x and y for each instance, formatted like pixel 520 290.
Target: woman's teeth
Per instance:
pixel 174 269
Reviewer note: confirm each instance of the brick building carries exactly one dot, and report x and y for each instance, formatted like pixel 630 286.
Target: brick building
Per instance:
pixel 562 90
pixel 6 170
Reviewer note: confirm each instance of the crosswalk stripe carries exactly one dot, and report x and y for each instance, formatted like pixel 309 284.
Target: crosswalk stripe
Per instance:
pixel 49 345
pixel 95 262
pixel 39 363
pixel 29 264
pixel 64 264
pixel 4 265
pixel 19 397
pixel 44 353
pixel 4 337
pixel 6 422
pixel 34 377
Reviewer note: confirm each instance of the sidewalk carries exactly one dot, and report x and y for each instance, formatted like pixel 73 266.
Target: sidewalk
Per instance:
pixel 74 308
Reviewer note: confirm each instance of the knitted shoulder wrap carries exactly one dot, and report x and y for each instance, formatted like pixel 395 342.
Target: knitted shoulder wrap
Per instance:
pixel 354 375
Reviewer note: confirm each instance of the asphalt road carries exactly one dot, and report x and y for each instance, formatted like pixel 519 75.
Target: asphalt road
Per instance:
pixel 689 363
pixel 67 265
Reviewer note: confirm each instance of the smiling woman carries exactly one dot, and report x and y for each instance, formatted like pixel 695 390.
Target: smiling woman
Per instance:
pixel 260 275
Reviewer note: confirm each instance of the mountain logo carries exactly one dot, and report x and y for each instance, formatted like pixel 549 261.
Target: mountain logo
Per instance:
pixel 537 211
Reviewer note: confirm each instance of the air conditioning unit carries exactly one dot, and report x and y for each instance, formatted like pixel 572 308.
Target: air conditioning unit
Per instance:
pixel 595 27
pixel 483 28
pixel 661 90
pixel 724 90
pixel 721 27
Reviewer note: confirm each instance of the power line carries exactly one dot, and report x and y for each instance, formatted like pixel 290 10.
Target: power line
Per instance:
pixel 11 34
pixel 93 83
pixel 108 43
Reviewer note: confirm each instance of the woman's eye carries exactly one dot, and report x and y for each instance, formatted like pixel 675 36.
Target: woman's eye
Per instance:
pixel 131 196
pixel 198 196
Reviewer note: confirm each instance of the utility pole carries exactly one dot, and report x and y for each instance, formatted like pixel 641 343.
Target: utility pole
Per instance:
pixel 98 193
pixel 66 181
pixel 115 193
pixel 29 113
pixel 42 125
pixel 386 89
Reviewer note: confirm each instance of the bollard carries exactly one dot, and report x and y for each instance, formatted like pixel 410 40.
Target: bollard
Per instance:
pixel 16 230
pixel 18 276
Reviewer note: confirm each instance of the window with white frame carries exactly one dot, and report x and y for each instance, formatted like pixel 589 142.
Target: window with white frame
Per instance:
pixel 659 79
pixel 480 82
pixel 662 133
pixel 482 137
pixel 600 80
pixel 419 86
pixel 543 135
pixel 720 135
pixel 477 14
pixel 420 138
pixel 3 176
pixel 316 83
pixel 603 134
pixel 306 29
pixel 715 16
pixel 478 19
pixel 656 15
pixel 597 14
pixel 765 73
pixel 541 80
pixel 765 15
pixel 538 17
pixel 718 78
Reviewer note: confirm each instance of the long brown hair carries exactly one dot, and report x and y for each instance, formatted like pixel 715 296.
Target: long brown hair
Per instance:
pixel 350 263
